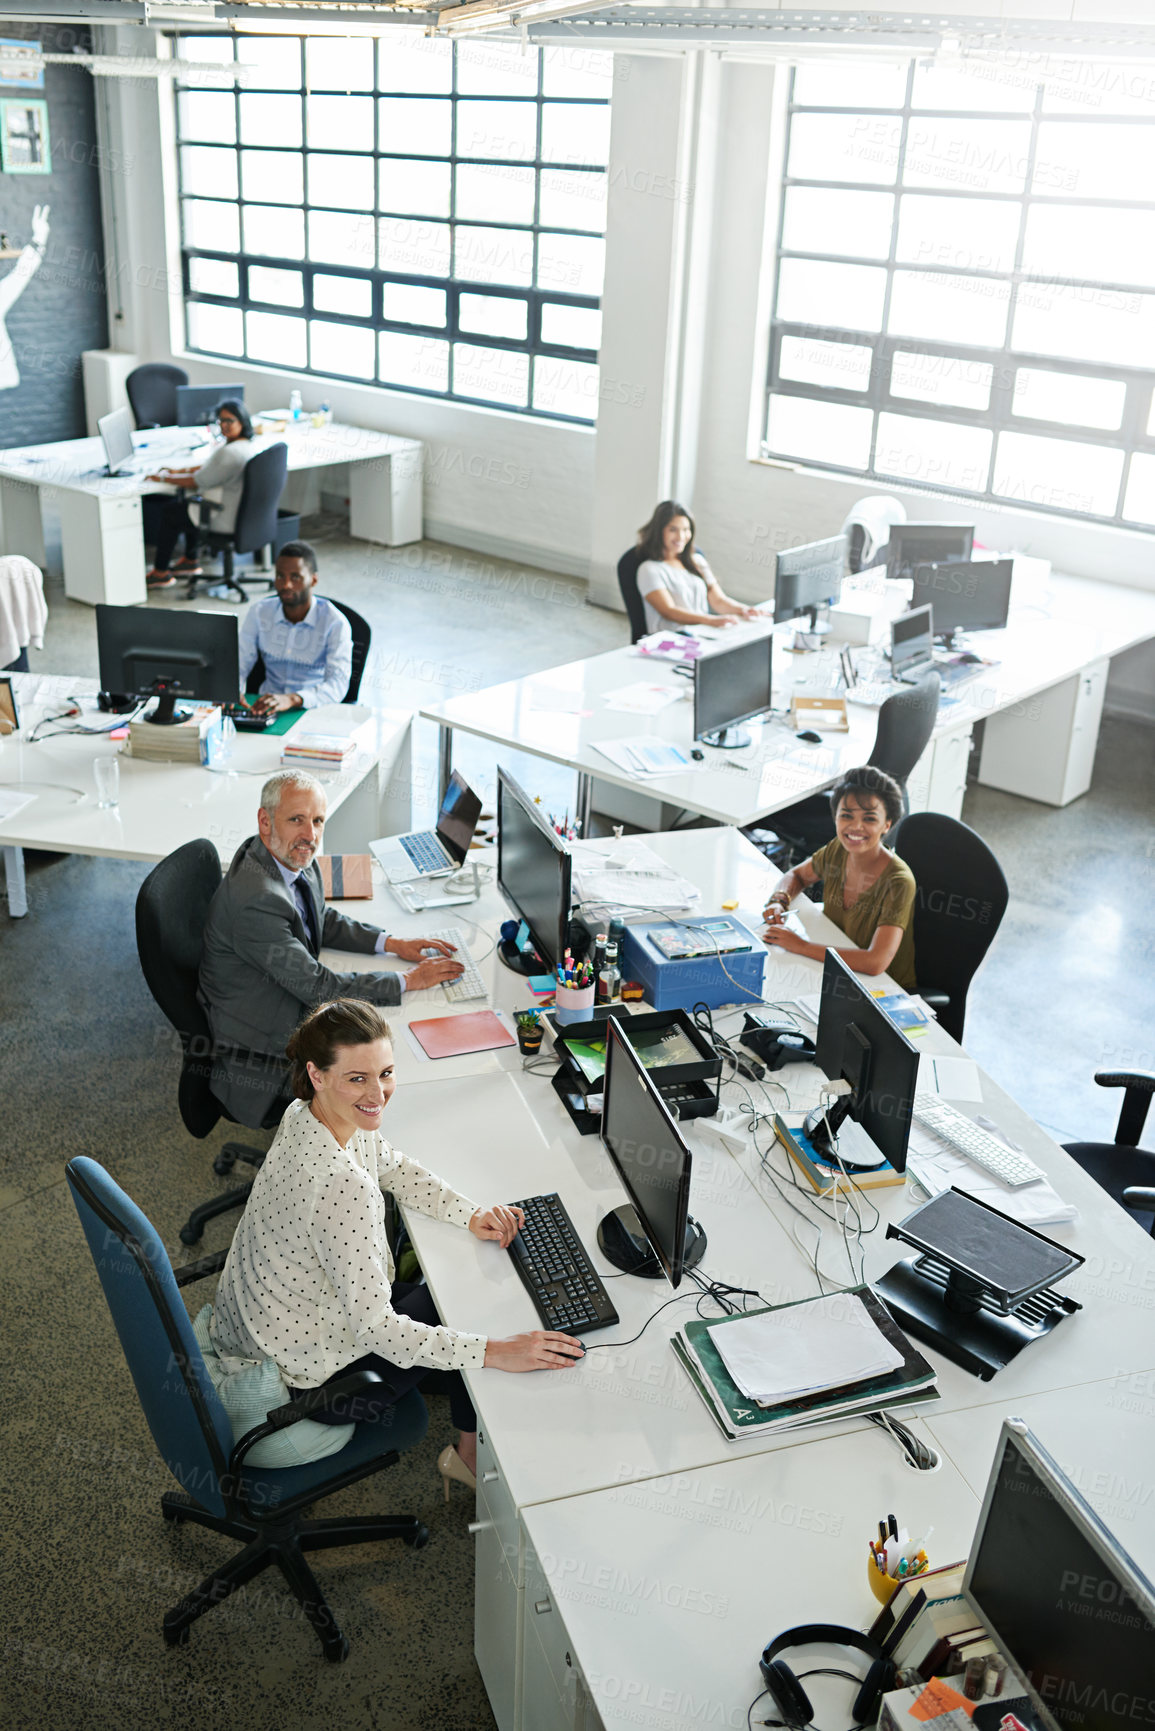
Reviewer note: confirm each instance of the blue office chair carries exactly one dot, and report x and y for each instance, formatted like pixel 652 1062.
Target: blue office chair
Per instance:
pixel 259 1507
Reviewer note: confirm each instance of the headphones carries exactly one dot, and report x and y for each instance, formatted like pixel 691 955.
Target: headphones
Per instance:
pixel 790 1697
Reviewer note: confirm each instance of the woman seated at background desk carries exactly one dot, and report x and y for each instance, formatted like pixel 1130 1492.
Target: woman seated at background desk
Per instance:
pixel 309 1281
pixel 674 581
pixel 223 468
pixel 867 891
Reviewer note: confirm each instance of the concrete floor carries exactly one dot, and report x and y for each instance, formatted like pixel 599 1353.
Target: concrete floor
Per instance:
pixel 88 1067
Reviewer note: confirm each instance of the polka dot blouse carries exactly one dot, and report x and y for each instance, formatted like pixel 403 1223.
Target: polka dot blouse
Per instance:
pixel 309 1275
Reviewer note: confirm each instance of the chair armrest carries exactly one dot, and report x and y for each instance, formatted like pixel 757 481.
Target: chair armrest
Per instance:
pixel 1139 1196
pixel 312 1400
pixel 1144 1079
pixel 1139 1086
pixel 210 1264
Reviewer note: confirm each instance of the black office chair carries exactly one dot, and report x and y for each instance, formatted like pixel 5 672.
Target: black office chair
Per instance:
pixel 257 523
pixel 261 1508
pixel 905 724
pixel 362 637
pixel 152 393
pixel 961 899
pixel 172 905
pixel 1125 1171
pixel 628 584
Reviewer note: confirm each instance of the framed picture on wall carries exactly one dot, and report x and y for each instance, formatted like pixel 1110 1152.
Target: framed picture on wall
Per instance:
pixel 24 146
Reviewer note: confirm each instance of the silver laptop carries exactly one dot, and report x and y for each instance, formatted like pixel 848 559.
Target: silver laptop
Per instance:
pixel 433 853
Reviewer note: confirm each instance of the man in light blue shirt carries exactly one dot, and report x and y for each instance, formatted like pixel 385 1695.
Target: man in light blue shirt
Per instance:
pixel 304 641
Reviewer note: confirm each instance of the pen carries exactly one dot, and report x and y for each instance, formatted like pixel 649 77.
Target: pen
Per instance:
pixel 882 1532
pixel 892 1526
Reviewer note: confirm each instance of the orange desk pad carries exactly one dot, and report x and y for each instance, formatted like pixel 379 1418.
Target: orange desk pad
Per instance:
pixel 450 1036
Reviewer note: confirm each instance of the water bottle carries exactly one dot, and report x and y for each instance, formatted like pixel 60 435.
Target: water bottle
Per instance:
pixel 295 405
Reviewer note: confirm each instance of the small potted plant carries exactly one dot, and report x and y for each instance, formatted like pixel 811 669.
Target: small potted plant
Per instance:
pixel 529 1031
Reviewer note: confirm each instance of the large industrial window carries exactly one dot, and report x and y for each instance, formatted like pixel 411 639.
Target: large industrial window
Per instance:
pixel 407 212
pixel 965 295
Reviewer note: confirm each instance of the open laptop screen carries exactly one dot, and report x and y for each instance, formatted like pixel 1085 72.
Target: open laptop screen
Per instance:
pixel 457 819
pixel 911 643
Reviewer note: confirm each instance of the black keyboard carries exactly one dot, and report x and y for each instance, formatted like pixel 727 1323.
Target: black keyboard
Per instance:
pixel 556 1272
pixel 246 720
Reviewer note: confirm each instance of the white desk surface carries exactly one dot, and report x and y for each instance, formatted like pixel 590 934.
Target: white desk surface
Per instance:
pixel 77 463
pixel 161 805
pixel 1068 623
pixel 670 1590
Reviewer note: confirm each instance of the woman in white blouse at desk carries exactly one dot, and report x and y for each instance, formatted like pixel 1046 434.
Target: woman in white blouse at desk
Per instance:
pixel 223 468
pixel 674 581
pixel 309 1281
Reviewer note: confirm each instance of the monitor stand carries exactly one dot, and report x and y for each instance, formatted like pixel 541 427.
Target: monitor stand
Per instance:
pixel 622 1242
pixel 729 738
pixel 166 714
pixel 526 962
pixel 955 1314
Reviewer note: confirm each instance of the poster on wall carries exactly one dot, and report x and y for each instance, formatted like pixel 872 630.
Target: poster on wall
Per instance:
pixel 21 67
pixel 24 146
pixel 12 287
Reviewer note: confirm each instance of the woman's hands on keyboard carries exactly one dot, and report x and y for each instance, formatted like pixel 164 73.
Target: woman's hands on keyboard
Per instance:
pixel 502 1221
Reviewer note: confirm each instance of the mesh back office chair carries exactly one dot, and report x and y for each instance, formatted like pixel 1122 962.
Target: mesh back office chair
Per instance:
pixel 172 905
pixel 960 902
pixel 152 393
pixel 257 525
pixel 362 637
pixel 628 584
pixel 905 724
pixel 1126 1171
pixel 260 1507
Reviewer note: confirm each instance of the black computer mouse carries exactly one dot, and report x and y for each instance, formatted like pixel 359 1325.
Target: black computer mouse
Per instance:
pixel 968 657
pixel 697 755
pixel 810 737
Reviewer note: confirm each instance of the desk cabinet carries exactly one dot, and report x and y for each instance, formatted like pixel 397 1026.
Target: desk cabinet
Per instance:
pixel 1044 748
pixel 554 1696
pixel 497 1588
pixel 102 547
pixel 938 781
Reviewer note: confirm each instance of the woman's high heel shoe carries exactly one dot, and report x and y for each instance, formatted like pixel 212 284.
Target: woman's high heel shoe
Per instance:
pixel 451 1466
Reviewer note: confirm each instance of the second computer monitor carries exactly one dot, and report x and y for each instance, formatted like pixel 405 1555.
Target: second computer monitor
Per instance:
pixel 808 578
pixel 913 544
pixel 196 405
pixel 731 685
pixel 534 874
pixel 858 1043
pixel 145 651
pixel 975 596
pixel 911 645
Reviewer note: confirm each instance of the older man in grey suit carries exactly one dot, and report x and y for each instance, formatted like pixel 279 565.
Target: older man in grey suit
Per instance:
pixel 260 968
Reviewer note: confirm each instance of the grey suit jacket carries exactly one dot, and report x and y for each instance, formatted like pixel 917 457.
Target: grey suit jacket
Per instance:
pixel 260 975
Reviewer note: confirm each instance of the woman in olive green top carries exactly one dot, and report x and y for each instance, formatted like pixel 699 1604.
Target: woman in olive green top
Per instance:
pixel 866 891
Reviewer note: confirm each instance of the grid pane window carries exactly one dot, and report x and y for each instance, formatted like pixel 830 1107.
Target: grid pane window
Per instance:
pixel 413 213
pixel 965 294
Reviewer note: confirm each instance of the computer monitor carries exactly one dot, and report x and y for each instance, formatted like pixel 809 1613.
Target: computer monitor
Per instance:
pixel 534 874
pixel 858 1043
pixel 911 645
pixel 914 544
pixel 170 655
pixel 1064 1602
pixel 115 431
pixel 808 578
pixel 970 596
pixel 654 1234
pixel 731 684
pixel 196 405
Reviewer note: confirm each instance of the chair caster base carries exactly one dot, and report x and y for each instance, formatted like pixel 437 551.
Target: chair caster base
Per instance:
pixel 417 1541
pixel 223 1165
pixel 337 1650
pixel 176 1637
pixel 190 1234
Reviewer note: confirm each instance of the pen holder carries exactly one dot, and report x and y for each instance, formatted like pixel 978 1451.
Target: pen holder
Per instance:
pixel 574 1003
pixel 882 1586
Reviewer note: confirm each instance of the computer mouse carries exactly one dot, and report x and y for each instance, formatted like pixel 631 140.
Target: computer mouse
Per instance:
pixel 968 657
pixel 698 756
pixel 810 737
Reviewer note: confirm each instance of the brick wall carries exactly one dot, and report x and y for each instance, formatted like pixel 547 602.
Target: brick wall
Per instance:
pixel 63 309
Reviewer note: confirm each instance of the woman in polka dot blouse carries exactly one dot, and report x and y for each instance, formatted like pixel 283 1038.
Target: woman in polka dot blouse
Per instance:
pixel 309 1281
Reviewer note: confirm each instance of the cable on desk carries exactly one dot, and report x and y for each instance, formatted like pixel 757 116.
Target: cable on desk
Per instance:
pixel 918 1454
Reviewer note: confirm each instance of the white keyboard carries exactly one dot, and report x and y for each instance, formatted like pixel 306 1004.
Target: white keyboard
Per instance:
pixel 470 984
pixel 872 695
pixel 975 1144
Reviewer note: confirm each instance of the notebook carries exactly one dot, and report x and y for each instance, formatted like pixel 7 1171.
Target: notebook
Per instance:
pixel 346 876
pixel 450 1036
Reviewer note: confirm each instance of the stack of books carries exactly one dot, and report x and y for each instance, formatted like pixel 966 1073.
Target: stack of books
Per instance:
pixel 825 1176
pixel 190 741
pixel 929 1628
pixel 317 750
pixel 803 1363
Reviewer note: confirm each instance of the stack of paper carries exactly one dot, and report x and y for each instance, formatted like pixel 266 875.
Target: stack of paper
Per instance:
pixel 629 876
pixel 641 698
pixel 805 1349
pixel 937 1166
pixel 645 757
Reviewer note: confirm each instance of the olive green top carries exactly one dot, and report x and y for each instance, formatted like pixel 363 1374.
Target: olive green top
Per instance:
pixel 888 902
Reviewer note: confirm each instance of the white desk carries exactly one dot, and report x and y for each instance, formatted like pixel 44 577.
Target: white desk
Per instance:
pixel 556 1449
pixel 100 517
pixel 163 805
pixel 1041 704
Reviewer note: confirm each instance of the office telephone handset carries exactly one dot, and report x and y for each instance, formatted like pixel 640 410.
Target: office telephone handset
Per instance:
pixel 777 1040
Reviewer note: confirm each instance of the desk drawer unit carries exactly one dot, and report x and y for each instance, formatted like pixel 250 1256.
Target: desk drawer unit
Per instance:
pixel 554 1696
pixel 497 1588
pixel 1044 748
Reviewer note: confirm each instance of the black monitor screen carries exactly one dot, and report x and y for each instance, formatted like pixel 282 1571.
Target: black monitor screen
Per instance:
pixel 649 1152
pixel 533 869
pixel 911 642
pixel 809 577
pixel 858 1043
pixel 731 685
pixel 970 596
pixel 914 544
pixel 193 654
pixel 198 404
pixel 1062 1599
pixel 457 819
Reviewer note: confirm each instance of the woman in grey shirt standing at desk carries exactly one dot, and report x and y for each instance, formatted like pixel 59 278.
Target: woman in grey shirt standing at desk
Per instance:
pixel 224 468
pixel 674 580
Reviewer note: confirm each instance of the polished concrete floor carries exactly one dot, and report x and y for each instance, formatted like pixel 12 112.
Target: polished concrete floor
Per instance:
pixel 88 1067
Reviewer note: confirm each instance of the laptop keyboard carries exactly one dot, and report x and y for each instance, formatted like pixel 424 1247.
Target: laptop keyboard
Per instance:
pixel 425 851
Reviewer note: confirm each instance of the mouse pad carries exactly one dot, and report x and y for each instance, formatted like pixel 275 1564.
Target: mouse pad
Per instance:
pixel 450 1036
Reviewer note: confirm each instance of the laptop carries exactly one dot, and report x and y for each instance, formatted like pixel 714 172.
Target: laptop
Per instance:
pixel 433 853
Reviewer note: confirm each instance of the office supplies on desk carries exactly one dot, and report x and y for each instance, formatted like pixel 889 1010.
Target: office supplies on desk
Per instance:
pixel 12 802
pixel 975 1144
pixel 346 876
pixel 450 1036
pixel 810 1348
pixel 9 715
pixel 644 756
pixel 708 976
pixel 905 1010
pixel 822 714
pixel 437 852
pixel 937 1167
pixel 190 740
pixel 641 699
pixel 319 751
pixel 864 1168
pixel 556 1271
